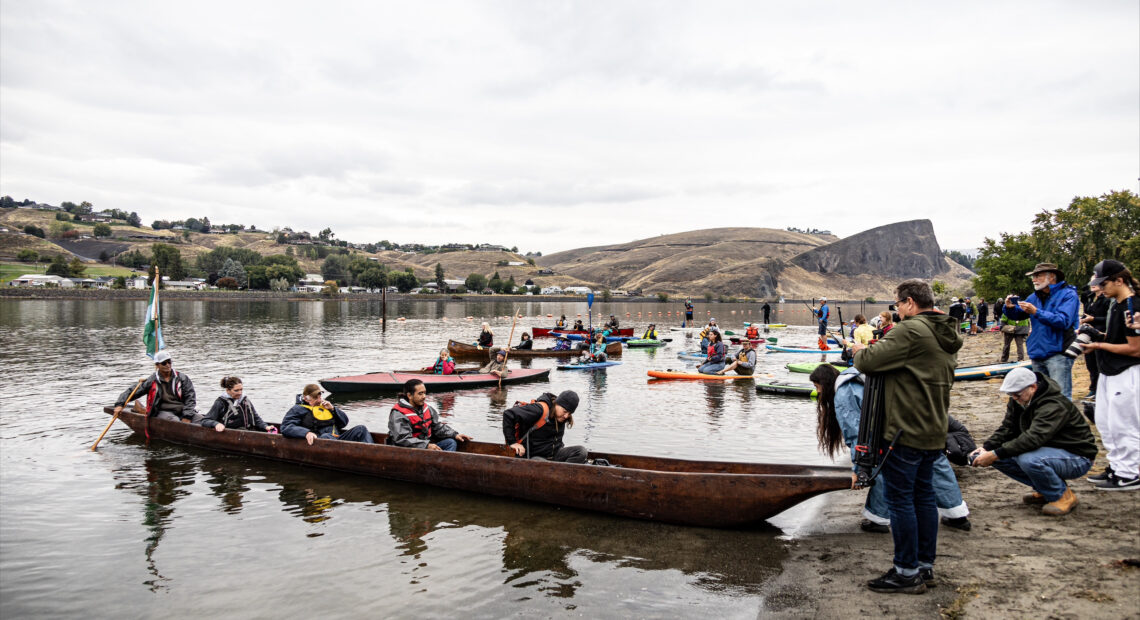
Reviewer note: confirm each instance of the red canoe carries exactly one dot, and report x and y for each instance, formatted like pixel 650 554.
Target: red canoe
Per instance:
pixel 544 332
pixel 394 381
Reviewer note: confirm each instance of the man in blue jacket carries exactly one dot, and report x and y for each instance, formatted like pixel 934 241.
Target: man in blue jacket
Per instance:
pixel 1052 311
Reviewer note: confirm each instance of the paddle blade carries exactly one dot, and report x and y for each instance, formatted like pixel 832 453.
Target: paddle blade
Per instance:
pixel 589 300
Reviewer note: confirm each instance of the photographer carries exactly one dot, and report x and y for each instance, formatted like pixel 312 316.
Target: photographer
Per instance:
pixel 1118 357
pixel 1096 311
pixel 1012 331
pixel 1052 313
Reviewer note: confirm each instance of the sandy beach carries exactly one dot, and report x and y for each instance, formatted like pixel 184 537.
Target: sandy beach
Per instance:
pixel 1014 563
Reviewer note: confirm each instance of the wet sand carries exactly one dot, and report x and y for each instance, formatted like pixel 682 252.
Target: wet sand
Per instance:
pixel 1014 563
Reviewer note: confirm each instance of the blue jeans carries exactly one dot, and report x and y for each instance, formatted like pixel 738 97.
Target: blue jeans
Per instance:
pixel 357 433
pixel 947 494
pixel 1045 469
pixel 447 445
pixel 908 476
pixel 711 368
pixel 1058 368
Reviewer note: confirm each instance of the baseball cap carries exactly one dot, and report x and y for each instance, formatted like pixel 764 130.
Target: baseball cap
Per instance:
pixel 161 357
pixel 1104 270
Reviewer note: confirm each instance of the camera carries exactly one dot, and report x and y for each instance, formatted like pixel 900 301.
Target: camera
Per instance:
pixel 1090 331
pixel 1074 349
pixel 1014 299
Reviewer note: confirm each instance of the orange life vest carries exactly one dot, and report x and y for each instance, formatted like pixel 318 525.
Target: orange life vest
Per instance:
pixel 537 425
pixel 421 422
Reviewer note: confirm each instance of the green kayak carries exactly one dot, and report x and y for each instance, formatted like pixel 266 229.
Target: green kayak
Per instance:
pixel 808 367
pixel 787 389
pixel 644 343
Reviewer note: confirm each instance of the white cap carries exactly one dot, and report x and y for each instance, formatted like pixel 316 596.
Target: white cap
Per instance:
pixel 823 299
pixel 161 357
pixel 953 299
pixel 1018 379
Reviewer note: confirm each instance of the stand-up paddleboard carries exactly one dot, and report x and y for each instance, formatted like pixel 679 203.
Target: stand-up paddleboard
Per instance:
pixel 787 389
pixel 590 366
pixel 809 367
pixel 681 374
pixel 972 373
pixel 778 349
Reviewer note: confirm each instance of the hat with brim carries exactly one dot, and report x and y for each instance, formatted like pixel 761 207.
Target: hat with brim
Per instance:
pixel 1018 379
pixel 1104 270
pixel 161 356
pixel 1045 267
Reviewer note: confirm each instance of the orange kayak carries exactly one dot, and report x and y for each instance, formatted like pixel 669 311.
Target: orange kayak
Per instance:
pixel 678 374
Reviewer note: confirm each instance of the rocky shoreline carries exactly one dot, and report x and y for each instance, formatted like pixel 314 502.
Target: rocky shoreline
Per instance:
pixel 1014 563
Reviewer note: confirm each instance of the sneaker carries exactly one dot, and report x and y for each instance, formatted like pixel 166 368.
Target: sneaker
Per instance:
pixel 893 583
pixel 1062 506
pixel 1102 476
pixel 961 523
pixel 1116 483
pixel 1034 498
pixel 868 525
pixel 927 575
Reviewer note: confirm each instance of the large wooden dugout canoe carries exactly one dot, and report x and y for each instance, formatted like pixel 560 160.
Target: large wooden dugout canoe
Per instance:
pixel 545 332
pixel 393 381
pixel 683 492
pixel 463 350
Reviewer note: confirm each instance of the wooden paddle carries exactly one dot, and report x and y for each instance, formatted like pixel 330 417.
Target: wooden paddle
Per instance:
pixel 507 351
pixel 116 416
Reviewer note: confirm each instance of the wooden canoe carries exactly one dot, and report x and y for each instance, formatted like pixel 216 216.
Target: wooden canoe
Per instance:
pixel 545 332
pixel 683 492
pixel 463 350
pixel 394 381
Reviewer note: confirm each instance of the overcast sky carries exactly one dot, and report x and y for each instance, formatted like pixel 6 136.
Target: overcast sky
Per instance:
pixel 554 125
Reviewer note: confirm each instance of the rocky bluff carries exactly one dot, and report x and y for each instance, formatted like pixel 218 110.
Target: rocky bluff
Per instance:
pixel 900 250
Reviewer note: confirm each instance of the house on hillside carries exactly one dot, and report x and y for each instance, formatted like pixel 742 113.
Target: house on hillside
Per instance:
pixel 183 285
pixel 453 285
pixel 138 282
pixel 39 279
pixel 578 290
pixel 82 282
pixel 487 247
pixel 551 290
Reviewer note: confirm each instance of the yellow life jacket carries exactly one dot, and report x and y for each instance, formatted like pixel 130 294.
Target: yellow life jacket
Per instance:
pixel 319 413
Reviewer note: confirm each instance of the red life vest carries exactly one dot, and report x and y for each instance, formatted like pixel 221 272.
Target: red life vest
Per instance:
pixel 753 333
pixel 537 425
pixel 421 422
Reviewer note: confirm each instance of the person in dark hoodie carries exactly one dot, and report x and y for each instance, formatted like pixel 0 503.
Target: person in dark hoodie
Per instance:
pixel 917 360
pixel 413 423
pixel 169 393
pixel 315 418
pixel 534 430
pixel 1042 441
pixel 233 410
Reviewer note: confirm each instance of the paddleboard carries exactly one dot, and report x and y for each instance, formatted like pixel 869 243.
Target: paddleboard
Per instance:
pixel 645 343
pixel 778 349
pixel 681 374
pixel 972 373
pixel 809 367
pixel 588 366
pixel 787 389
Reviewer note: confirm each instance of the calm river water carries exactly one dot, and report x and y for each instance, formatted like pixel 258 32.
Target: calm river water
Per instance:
pixel 140 531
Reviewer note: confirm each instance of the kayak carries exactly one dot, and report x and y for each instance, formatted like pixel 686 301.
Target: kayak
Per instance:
pixel 394 381
pixel 463 350
pixel 589 366
pixel 787 389
pixel 574 336
pixel 770 325
pixel 691 355
pixel 808 367
pixel 684 492
pixel 778 349
pixel 548 332
pixel 681 374
pixel 645 343
pixel 972 373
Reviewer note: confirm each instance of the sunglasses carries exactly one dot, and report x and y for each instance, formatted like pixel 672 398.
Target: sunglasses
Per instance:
pixel 166 363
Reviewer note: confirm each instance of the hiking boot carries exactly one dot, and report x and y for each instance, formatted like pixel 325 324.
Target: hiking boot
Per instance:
pixel 1116 483
pixel 894 583
pixel 960 523
pixel 1063 506
pixel 1102 476
pixel 927 575
pixel 1034 498
pixel 868 525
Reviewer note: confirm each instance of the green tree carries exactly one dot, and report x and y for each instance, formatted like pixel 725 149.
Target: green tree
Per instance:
pixel 938 287
pixel 405 281
pixel 1001 266
pixel 35 231
pixel 1088 231
pixel 28 256
pixel 134 220
pixel 439 276
pixel 959 258
pixel 257 277
pixel 233 269
pixel 102 230
pixel 374 278
pixel 58 229
pixel 167 258
pixel 326 235
pixel 212 261
pixel 76 267
pixel 335 268
pixel 63 217
pixel 120 283
pixel 279 284
pixel 662 297
pixel 331 289
pixel 607 296
pixel 59 267
pixel 475 282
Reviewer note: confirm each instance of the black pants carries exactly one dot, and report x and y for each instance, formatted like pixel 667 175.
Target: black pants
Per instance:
pixel 1094 370
pixel 567 454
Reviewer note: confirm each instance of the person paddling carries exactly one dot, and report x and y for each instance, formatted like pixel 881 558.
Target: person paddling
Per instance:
pixel 169 393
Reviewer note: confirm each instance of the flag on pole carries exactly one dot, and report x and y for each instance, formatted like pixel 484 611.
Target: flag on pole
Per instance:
pixel 152 327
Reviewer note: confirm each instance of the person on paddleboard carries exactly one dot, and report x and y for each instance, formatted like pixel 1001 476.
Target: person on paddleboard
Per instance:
pixel 744 363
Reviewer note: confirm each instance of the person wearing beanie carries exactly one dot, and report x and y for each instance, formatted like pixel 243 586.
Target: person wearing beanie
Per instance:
pixel 1042 442
pixel 534 430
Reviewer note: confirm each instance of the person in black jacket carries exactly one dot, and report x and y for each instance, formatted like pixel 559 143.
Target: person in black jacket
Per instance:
pixel 169 393
pixel 534 430
pixel 1096 316
pixel 234 410
pixel 315 418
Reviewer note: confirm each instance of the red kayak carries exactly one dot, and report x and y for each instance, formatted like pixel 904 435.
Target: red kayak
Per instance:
pixel 394 381
pixel 544 332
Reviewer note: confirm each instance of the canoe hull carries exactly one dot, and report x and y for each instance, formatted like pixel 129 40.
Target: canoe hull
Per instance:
pixel 545 332
pixel 588 366
pixel 682 492
pixel 394 381
pixel 463 350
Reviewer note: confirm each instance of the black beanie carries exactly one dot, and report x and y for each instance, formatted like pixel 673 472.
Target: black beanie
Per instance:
pixel 568 400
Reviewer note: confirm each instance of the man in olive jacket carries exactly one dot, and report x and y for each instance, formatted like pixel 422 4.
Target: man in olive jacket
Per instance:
pixel 917 360
pixel 1042 442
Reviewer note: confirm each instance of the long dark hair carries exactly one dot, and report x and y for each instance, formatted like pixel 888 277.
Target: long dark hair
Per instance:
pixel 827 430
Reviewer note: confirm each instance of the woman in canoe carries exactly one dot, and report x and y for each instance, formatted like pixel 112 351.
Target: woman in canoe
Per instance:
pixel 525 344
pixel 233 410
pixel 444 365
pixel 714 356
pixel 560 323
pixel 315 418
pixel 486 337
pixel 838 409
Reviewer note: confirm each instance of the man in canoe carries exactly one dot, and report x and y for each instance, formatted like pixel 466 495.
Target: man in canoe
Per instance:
pixel 413 423
pixel 169 393
pixel 534 430
pixel 497 366
pixel 1042 442
pixel 315 418
pixel 916 360
pixel 612 324
pixel 560 323
pixel 578 327
pixel 744 363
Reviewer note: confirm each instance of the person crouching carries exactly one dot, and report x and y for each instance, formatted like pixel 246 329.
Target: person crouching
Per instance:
pixel 534 430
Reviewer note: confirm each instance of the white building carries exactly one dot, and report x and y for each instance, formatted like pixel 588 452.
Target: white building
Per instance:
pixel 578 290
pixel 39 279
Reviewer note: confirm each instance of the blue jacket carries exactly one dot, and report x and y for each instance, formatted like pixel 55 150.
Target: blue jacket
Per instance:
pixel 1056 316
pixel 849 406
